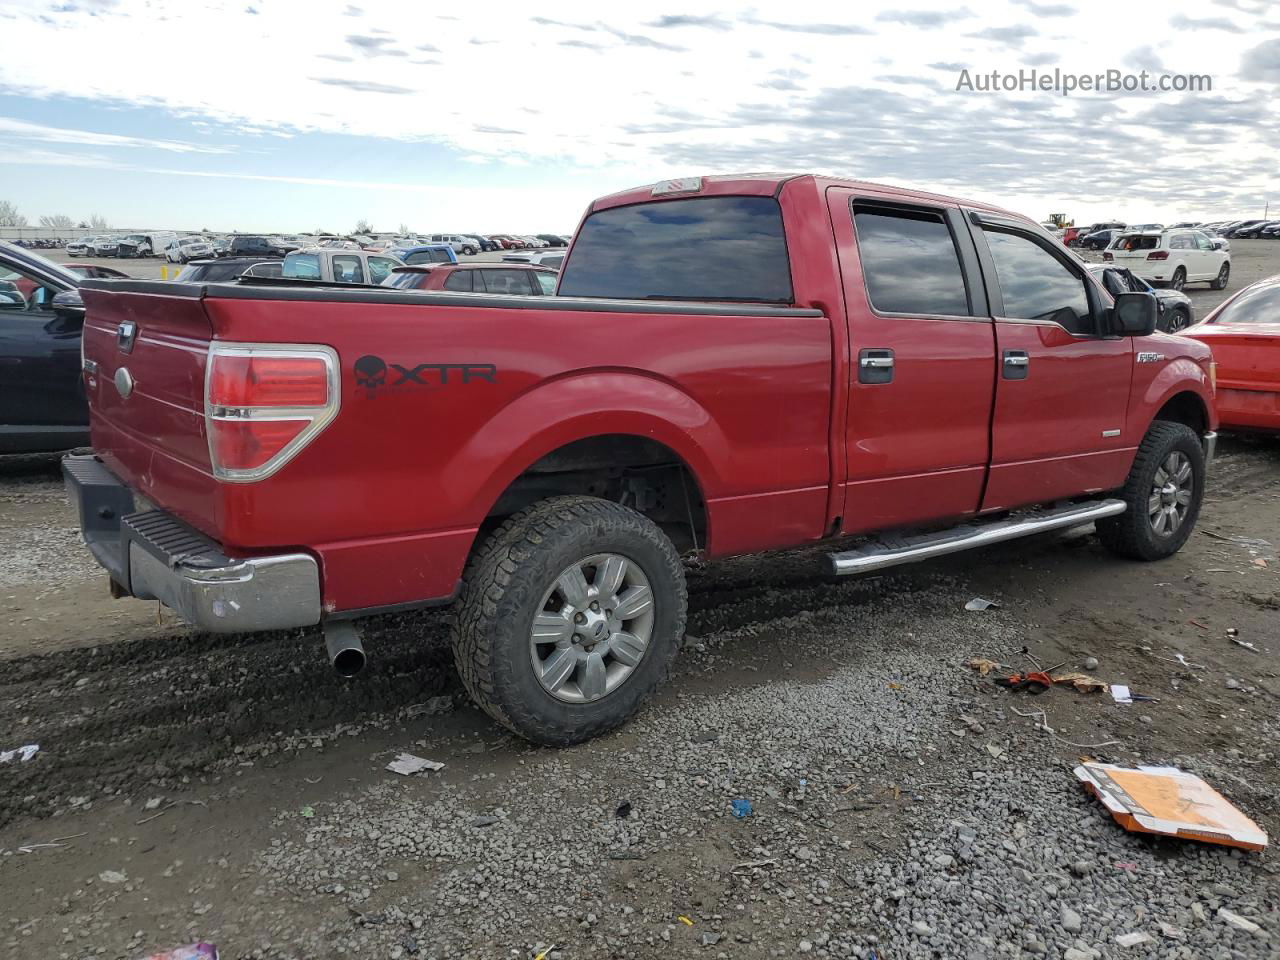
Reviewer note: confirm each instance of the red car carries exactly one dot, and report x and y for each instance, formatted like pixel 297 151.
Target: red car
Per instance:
pixel 730 365
pixel 1244 335
pixel 511 279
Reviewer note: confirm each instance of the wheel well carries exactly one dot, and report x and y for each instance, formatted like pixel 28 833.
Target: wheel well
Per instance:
pixel 1186 408
pixel 635 471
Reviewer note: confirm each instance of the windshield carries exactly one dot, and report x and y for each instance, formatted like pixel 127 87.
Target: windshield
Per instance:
pixel 1259 305
pixel 302 266
pixel 701 248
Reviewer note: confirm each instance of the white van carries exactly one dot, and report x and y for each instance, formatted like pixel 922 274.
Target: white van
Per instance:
pixel 146 244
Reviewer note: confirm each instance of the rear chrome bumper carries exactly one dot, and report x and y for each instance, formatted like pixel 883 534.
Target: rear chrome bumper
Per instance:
pixel 1210 444
pixel 155 556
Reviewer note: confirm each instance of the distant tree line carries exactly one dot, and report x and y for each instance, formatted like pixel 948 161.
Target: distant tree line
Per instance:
pixel 11 217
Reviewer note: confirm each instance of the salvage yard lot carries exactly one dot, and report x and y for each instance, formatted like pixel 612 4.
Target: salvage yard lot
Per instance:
pixel 900 802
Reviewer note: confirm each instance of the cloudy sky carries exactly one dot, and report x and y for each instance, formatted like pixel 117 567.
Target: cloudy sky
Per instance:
pixel 293 115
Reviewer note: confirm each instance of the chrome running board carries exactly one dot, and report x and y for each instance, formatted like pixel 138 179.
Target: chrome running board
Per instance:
pixel 890 552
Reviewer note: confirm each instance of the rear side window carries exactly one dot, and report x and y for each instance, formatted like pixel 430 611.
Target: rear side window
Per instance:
pixel 459 281
pixel 546 283
pixel 513 283
pixel 910 264
pixel 1137 243
pixel 699 248
pixel 379 268
pixel 348 270
pixel 1036 285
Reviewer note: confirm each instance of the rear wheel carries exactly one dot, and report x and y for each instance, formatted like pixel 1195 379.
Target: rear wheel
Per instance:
pixel 469 251
pixel 571 615
pixel 1179 279
pixel 1163 492
pixel 1224 274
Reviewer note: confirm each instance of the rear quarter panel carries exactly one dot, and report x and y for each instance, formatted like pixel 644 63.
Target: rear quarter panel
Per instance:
pixel 392 493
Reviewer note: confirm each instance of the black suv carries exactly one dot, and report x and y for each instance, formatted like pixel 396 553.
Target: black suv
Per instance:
pixel 255 247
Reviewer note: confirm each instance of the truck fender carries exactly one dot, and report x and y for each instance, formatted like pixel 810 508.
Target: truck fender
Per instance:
pixel 1180 375
pixel 578 406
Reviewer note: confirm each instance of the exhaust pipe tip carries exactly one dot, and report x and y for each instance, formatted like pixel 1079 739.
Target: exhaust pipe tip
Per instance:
pixel 346 652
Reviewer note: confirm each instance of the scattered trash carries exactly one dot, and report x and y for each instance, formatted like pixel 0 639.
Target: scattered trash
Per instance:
pixel 307 812
pixel 113 876
pixel 685 920
pixel 433 707
pixel 710 939
pixel 1259 562
pixel 983 667
pixel 194 951
pixel 1197 623
pixel 544 954
pixel 754 864
pixel 1126 865
pixel 623 811
pixel 741 807
pixel 1232 632
pixel 407 765
pixel 153 803
pixel 22 753
pixel 1082 682
pixel 1170 932
pixel 484 820
pixel 1169 801
pixel 1237 921
pixel 1132 939
pixel 979 603
pixel 1120 693
pixel 1033 681
pixel 1240 643
pixel 995 751
pixel 1090 663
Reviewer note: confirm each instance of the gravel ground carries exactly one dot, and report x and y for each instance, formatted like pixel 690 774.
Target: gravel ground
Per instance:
pixel 230 788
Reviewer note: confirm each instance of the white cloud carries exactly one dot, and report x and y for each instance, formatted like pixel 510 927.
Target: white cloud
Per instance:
pixel 635 95
pixel 21 130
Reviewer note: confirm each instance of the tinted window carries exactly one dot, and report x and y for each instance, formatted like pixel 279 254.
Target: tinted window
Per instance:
pixel 910 264
pixel 546 283
pixel 1036 285
pixel 405 279
pixel 428 256
pixel 302 266
pixel 553 261
pixel 1202 242
pixel 459 281
pixel 1136 242
pixel 1260 305
pixel 702 248
pixel 264 270
pixel 512 283
pixel 1181 241
pixel 348 270
pixel 379 268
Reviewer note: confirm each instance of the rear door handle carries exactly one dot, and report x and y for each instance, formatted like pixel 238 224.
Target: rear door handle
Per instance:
pixel 1016 364
pixel 875 365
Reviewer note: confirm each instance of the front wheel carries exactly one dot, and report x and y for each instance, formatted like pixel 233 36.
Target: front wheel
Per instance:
pixel 1220 281
pixel 570 618
pixel 1164 491
pixel 1178 320
pixel 469 251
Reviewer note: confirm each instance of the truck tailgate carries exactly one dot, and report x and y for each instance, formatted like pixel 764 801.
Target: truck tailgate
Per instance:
pixel 146 395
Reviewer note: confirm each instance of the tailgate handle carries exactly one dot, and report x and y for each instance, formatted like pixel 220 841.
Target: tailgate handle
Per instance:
pixel 1016 364
pixel 875 365
pixel 125 335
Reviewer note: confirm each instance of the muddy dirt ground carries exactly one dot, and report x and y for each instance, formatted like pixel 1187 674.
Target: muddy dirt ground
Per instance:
pixel 232 789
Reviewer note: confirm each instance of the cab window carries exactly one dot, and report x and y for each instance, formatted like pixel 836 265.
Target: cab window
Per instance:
pixel 1036 285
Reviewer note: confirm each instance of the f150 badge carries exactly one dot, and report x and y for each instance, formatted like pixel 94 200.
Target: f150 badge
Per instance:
pixel 1149 357
pixel 374 374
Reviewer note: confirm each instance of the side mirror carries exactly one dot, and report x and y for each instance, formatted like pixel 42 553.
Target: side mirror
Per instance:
pixel 1218 244
pixel 68 305
pixel 1134 314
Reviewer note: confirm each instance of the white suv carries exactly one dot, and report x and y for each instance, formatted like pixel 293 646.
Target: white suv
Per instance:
pixel 460 244
pixel 1173 257
pixel 188 249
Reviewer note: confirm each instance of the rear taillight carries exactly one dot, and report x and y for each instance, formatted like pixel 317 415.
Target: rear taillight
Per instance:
pixel 1107 256
pixel 1158 255
pixel 264 403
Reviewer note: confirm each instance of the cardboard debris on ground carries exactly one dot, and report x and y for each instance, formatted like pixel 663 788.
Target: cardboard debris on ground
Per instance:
pixel 981 603
pixel 984 667
pixel 195 951
pixel 1169 801
pixel 1082 682
pixel 407 764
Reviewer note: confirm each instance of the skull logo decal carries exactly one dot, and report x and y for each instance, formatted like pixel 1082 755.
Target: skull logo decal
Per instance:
pixel 371 372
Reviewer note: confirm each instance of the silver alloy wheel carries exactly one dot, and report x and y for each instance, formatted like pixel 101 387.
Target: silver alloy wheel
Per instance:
pixel 1170 498
pixel 1179 279
pixel 593 628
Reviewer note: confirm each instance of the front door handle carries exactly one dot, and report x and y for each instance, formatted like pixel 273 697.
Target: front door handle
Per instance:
pixel 1016 364
pixel 875 365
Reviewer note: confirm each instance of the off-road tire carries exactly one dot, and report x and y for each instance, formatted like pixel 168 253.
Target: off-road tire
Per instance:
pixel 1130 534
pixel 504 585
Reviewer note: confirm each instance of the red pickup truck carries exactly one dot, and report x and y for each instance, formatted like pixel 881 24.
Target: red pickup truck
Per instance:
pixel 731 364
